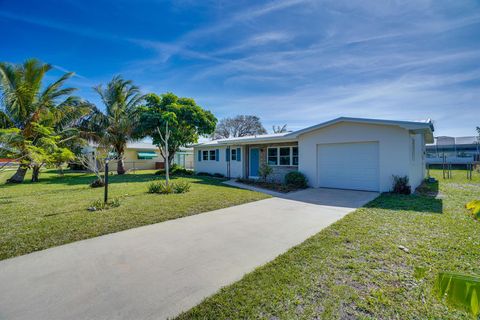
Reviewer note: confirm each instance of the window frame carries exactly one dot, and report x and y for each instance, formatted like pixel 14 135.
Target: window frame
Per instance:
pixel 233 154
pixel 205 152
pixel 268 156
pixel 214 153
pixel 278 156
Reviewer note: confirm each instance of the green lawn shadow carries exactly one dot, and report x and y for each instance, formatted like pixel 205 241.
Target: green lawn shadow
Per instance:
pixel 424 200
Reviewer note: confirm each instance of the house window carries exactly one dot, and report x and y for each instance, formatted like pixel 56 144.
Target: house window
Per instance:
pixel 282 156
pixel 285 156
pixel 234 154
pixel 212 155
pixel 272 156
pixel 205 155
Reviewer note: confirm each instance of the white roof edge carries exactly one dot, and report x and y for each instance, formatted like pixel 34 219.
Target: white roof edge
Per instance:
pixel 410 125
pixel 292 136
pixel 258 139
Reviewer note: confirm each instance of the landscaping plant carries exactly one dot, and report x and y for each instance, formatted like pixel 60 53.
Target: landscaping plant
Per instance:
pixel 460 291
pixel 181 187
pixel 401 185
pixel 100 205
pixel 264 171
pixel 474 207
pixel 176 170
pixel 296 179
pixel 162 187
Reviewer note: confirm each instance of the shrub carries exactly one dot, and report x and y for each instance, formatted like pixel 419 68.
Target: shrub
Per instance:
pixel 175 170
pixel 296 179
pixel 264 171
pixel 182 171
pixel 401 185
pixel 154 187
pixel 160 187
pixel 181 187
pixel 97 183
pixel 173 187
pixel 474 207
pixel 204 174
pixel 218 175
pixel 100 205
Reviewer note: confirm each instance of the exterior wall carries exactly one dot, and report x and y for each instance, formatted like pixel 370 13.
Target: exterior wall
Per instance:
pixel 394 147
pixel 220 166
pixel 417 162
pixel 278 172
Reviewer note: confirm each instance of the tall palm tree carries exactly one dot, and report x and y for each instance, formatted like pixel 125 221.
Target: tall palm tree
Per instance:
pixel 27 108
pixel 116 126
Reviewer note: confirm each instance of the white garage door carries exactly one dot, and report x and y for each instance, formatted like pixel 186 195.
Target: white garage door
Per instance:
pixel 348 166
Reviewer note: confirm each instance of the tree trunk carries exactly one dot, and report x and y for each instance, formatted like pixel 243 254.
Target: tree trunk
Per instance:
pixel 19 176
pixel 120 166
pixel 35 173
pixel 170 159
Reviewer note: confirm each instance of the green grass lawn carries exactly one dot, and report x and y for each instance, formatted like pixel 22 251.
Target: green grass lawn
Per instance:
pixel 354 268
pixel 52 212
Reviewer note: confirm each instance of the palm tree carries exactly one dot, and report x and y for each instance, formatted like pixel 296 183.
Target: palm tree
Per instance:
pixel 29 112
pixel 116 126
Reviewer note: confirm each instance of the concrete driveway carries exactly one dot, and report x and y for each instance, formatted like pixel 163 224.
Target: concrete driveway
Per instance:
pixel 157 271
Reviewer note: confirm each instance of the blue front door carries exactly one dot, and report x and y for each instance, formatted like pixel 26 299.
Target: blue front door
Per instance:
pixel 254 162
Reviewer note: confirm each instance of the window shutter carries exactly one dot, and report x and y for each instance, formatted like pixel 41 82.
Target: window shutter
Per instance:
pixel 239 154
pixel 217 154
pixel 199 158
pixel 227 154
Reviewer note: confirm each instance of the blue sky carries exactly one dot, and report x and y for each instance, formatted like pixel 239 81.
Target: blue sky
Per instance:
pixel 298 62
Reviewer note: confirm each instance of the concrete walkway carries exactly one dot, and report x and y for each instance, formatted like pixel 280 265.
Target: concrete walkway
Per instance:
pixel 157 271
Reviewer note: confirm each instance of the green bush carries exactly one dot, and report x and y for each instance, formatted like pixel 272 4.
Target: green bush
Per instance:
pixel 160 187
pixel 154 187
pixel 296 179
pixel 176 170
pixel 181 187
pixel 173 187
pixel 401 185
pixel 206 174
pixel 100 205
pixel 264 171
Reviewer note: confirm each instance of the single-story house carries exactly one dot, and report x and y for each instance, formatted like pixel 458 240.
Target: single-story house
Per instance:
pixel 145 156
pixel 344 153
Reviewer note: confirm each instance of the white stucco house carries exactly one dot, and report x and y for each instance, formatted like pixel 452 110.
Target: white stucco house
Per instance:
pixel 344 153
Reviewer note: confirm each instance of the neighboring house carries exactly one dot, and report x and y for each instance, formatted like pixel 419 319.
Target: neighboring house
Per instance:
pixel 144 155
pixel 345 153
pixel 454 150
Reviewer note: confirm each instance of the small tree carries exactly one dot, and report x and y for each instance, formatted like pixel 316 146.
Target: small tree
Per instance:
pixel 164 150
pixel 187 121
pixel 264 171
pixel 94 163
